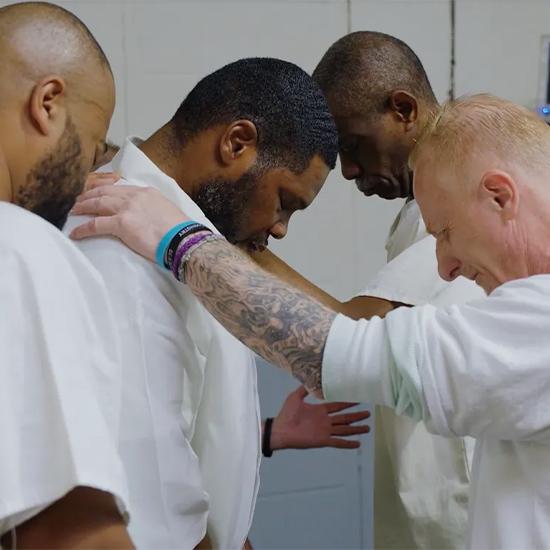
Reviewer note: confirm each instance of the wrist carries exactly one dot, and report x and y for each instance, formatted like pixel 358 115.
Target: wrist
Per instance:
pixel 277 441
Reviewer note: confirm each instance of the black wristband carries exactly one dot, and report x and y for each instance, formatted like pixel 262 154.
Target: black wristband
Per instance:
pixel 267 451
pixel 176 241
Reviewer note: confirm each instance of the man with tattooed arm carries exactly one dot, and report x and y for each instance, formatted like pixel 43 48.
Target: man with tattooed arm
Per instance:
pixel 481 369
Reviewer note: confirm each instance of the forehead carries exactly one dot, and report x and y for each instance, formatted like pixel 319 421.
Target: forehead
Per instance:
pixel 304 186
pixel 432 195
pixel 356 124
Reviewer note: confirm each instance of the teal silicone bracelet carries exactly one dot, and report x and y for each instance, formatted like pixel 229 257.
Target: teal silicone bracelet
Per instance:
pixel 165 241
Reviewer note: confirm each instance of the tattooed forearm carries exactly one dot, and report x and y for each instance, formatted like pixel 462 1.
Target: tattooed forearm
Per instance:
pixel 283 325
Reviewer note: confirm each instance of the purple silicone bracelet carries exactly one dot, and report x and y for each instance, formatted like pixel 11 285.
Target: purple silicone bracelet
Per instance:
pixel 186 245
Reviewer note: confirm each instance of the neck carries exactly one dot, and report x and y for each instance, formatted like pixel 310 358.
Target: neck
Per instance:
pixel 5 180
pixel 426 112
pixel 161 150
pixel 537 249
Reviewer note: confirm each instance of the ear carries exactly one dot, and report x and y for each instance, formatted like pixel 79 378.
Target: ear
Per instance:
pixel 239 142
pixel 500 189
pixel 404 106
pixel 46 107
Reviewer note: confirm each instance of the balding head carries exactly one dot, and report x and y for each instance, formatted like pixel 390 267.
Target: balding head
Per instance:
pixel 56 101
pixel 364 67
pixel 483 129
pixel 481 178
pixel 379 96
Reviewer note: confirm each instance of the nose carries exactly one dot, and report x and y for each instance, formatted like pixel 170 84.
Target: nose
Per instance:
pixel 278 231
pixel 351 170
pixel 448 266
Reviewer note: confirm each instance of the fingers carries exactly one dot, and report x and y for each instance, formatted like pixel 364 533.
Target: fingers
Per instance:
pixel 121 191
pixel 349 418
pixel 98 206
pixel 350 430
pixel 94 227
pixel 336 443
pixel 99 179
pixel 301 392
pixel 338 406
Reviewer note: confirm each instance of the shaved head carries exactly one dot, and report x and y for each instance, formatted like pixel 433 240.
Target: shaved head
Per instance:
pixel 46 38
pixel 56 101
pixel 363 67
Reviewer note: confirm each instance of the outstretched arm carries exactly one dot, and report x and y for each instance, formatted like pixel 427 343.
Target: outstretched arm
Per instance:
pixel 359 307
pixel 282 324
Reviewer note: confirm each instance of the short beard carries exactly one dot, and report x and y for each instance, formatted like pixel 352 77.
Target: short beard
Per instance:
pixel 226 204
pixel 55 181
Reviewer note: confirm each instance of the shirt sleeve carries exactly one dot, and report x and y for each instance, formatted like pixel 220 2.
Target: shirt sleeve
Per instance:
pixel 359 364
pixel 60 390
pixel 476 369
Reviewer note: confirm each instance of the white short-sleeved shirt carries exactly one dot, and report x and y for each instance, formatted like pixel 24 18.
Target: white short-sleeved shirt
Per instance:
pixel 59 371
pixel 412 506
pixel 478 369
pixel 190 432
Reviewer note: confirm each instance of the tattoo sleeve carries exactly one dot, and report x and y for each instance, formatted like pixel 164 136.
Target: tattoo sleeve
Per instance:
pixel 283 325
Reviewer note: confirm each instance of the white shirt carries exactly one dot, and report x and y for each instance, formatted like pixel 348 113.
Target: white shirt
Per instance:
pixel 413 508
pixel 478 369
pixel 190 433
pixel 60 375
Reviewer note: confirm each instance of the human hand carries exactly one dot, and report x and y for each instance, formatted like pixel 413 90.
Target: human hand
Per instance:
pixel 301 425
pixel 99 179
pixel 138 216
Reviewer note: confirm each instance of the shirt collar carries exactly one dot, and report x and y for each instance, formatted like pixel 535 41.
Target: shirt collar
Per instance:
pixel 136 168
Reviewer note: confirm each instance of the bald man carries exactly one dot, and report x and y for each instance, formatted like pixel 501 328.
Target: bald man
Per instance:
pixel 61 479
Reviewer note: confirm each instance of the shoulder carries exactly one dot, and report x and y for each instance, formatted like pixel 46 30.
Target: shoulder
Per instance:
pixel 32 239
pixel 528 290
pixel 37 256
pixel 19 226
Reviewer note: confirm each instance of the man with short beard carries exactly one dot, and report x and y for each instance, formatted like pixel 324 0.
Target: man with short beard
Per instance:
pixel 61 479
pixel 252 143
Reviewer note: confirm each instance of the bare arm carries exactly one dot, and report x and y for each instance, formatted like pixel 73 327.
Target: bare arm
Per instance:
pixel 84 518
pixel 282 324
pixel 360 307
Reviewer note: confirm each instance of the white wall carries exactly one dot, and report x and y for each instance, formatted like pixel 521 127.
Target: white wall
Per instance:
pixel 160 48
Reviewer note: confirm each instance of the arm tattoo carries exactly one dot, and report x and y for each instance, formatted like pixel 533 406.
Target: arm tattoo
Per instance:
pixel 283 325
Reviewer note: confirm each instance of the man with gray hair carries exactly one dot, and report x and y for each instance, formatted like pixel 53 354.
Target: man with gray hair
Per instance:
pixel 481 173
